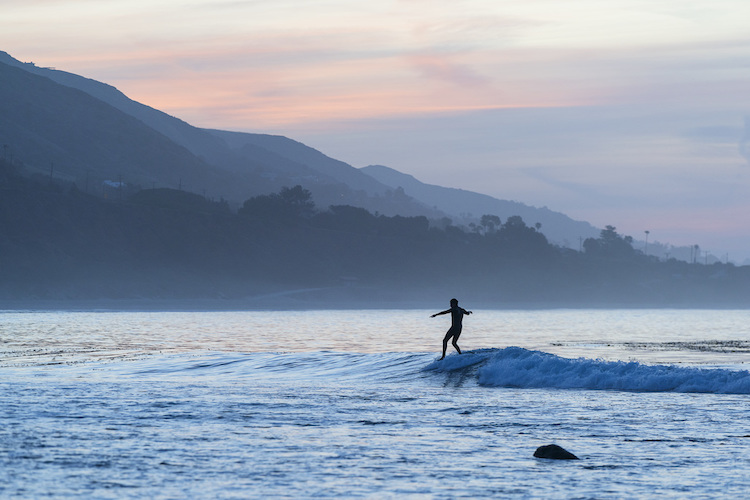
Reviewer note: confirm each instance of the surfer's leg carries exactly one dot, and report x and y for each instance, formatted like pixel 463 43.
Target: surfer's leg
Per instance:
pixel 456 346
pixel 445 341
pixel 455 340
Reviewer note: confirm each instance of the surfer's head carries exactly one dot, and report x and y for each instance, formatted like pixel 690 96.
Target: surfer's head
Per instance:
pixel 454 302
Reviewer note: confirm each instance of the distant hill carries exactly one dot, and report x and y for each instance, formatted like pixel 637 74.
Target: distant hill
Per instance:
pixel 329 174
pixel 467 206
pixel 194 139
pixel 243 165
pixel 89 132
pixel 247 144
pixel 67 133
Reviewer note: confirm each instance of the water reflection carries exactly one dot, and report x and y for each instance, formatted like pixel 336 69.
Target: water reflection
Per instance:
pixel 37 338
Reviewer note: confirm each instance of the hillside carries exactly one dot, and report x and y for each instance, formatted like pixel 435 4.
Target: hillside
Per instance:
pixel 323 175
pixel 191 138
pixel 67 133
pixel 247 144
pixel 253 164
pixel 61 244
pixel 467 206
pixel 248 164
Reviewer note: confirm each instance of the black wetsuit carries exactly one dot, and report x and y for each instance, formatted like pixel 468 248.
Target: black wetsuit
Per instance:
pixel 457 316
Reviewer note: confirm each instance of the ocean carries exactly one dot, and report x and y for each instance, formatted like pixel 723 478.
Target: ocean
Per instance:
pixel 356 404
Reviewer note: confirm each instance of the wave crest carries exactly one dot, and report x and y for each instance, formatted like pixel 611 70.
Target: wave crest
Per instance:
pixel 523 368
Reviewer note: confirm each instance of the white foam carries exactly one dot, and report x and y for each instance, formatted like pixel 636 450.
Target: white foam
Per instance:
pixel 517 367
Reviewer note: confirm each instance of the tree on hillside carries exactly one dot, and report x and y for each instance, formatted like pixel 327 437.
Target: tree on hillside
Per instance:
pixel 298 200
pixel 404 226
pixel 610 244
pixel 346 218
pixel 289 203
pixel 490 222
pixel 522 240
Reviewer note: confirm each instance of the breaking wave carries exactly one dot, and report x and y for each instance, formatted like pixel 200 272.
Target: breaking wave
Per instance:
pixel 509 367
pixel 523 368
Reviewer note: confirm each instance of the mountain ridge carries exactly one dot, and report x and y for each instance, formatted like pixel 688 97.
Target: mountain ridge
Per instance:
pixel 69 133
pixel 244 173
pixel 249 164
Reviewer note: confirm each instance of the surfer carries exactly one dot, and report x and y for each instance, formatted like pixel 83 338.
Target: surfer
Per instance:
pixel 457 316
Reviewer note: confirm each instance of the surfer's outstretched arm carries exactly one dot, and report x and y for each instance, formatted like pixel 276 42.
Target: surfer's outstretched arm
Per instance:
pixel 441 312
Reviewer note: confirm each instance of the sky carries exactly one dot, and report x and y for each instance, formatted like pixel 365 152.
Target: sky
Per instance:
pixel 628 113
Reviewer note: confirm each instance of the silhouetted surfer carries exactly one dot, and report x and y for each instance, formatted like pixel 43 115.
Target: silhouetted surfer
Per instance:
pixel 457 316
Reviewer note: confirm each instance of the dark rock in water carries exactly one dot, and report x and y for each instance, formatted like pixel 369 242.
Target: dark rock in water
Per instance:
pixel 554 452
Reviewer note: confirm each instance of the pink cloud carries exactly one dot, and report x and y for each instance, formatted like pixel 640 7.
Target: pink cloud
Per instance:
pixel 444 68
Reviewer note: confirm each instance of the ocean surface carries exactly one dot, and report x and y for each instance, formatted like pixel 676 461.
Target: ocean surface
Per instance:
pixel 355 404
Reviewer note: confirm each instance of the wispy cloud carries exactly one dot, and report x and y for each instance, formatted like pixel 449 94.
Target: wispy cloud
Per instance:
pixel 407 56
